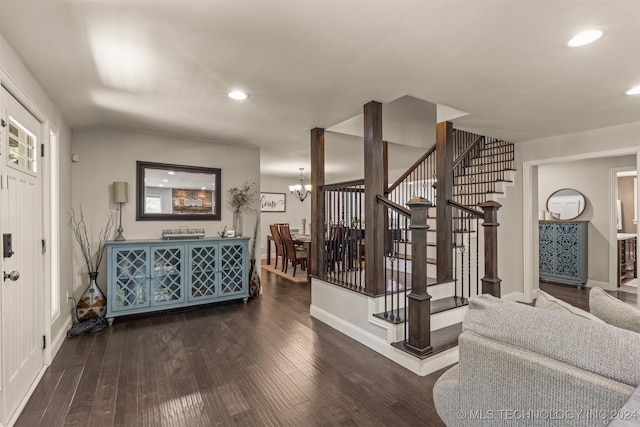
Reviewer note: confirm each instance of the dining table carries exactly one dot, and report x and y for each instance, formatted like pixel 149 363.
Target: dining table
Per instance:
pixel 300 239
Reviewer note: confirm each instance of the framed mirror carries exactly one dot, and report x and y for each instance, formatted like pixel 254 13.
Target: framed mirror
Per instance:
pixel 176 192
pixel 566 204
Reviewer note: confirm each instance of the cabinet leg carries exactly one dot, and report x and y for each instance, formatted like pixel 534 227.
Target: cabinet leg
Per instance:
pixel 245 299
pixel 110 321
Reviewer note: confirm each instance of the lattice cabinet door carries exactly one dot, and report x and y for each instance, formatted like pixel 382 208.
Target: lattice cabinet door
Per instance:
pixel 233 263
pixel 167 277
pixel 547 248
pixel 563 251
pixel 204 262
pixel 131 273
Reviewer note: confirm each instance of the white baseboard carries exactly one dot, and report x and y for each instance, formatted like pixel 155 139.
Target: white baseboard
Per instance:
pixel 603 285
pixel 419 367
pixel 56 343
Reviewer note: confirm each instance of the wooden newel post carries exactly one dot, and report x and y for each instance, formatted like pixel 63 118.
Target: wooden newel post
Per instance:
pixel 491 281
pixel 317 202
pixel 419 299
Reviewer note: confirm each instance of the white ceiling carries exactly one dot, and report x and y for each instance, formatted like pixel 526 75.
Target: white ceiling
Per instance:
pixel 167 65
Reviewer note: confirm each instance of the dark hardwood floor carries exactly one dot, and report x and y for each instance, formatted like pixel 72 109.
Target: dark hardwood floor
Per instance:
pixel 580 297
pixel 266 363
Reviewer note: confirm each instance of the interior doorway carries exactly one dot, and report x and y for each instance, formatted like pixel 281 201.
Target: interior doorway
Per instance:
pixel 626 215
pixel 534 201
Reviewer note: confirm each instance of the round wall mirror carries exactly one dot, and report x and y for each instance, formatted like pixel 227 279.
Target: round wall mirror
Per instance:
pixel 566 204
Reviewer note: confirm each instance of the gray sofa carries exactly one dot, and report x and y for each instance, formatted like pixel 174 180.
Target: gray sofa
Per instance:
pixel 521 365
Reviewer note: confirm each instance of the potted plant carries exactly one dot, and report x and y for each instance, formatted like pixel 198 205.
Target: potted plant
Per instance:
pixel 240 199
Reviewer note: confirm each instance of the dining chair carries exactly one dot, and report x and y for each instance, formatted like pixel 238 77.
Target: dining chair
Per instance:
pixel 336 247
pixel 280 251
pixel 292 253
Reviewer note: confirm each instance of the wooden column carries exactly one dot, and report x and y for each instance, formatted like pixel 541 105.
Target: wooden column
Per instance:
pixel 317 201
pixel 491 281
pixel 419 300
pixel 444 190
pixel 374 179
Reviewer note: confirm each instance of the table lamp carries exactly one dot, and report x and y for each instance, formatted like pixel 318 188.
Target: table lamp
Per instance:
pixel 120 196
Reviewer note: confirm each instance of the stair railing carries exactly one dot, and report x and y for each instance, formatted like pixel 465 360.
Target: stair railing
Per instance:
pixel 420 178
pixel 417 311
pixel 466 221
pixel 466 260
pixel 479 167
pixel 418 181
pixel 344 235
pixel 397 255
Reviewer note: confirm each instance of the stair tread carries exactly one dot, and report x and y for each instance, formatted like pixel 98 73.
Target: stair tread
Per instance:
pixel 409 258
pixel 494 151
pixel 437 306
pixel 481 173
pixel 447 303
pixel 480 182
pixel 441 340
pixel 480 192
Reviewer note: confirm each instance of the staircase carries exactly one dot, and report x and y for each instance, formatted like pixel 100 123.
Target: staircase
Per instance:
pixel 482 172
pixel 383 315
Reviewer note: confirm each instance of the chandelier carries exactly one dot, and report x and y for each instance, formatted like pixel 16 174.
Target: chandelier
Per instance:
pixel 301 191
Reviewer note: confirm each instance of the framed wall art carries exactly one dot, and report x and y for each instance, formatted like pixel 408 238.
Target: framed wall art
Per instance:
pixel 273 202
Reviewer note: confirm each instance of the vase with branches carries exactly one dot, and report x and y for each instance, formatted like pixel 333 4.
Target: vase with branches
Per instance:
pixel 92 303
pixel 241 199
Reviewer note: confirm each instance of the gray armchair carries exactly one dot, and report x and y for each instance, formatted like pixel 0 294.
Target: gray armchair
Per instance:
pixel 521 365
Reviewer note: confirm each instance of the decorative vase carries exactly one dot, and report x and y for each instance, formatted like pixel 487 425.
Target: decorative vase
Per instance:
pixel 237 222
pixel 254 280
pixel 93 303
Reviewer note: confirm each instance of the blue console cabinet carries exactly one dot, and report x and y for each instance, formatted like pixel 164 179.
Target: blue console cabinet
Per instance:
pixel 153 275
pixel 564 252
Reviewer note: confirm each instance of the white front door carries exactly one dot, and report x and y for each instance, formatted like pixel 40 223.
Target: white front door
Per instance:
pixel 21 216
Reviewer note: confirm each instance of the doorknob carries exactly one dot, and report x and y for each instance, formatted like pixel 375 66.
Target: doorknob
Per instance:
pixel 13 276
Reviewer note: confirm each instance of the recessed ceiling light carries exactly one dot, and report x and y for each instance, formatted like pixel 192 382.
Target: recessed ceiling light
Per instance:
pixel 238 95
pixel 584 38
pixel 633 91
pixel 171 173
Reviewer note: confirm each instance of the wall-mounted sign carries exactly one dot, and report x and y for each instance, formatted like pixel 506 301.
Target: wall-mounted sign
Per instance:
pixel 273 202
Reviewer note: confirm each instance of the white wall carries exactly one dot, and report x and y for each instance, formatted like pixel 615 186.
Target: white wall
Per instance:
pixel 295 209
pixel 591 178
pixel 110 154
pixel 518 217
pixel 13 70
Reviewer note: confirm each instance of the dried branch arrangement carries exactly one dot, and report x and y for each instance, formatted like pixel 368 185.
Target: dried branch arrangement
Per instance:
pixel 255 237
pixel 79 228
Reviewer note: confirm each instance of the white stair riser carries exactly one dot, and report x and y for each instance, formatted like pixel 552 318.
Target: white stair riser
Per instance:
pixel 488 160
pixel 439 291
pixel 481 169
pixel 404 265
pixel 474 179
pixel 432 251
pixel 498 150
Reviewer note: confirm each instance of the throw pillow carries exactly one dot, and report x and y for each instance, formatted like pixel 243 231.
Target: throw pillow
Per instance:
pixel 549 302
pixel 613 311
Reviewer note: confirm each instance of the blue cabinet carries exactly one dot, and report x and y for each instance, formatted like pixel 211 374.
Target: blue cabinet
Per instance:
pixel 564 251
pixel 152 275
